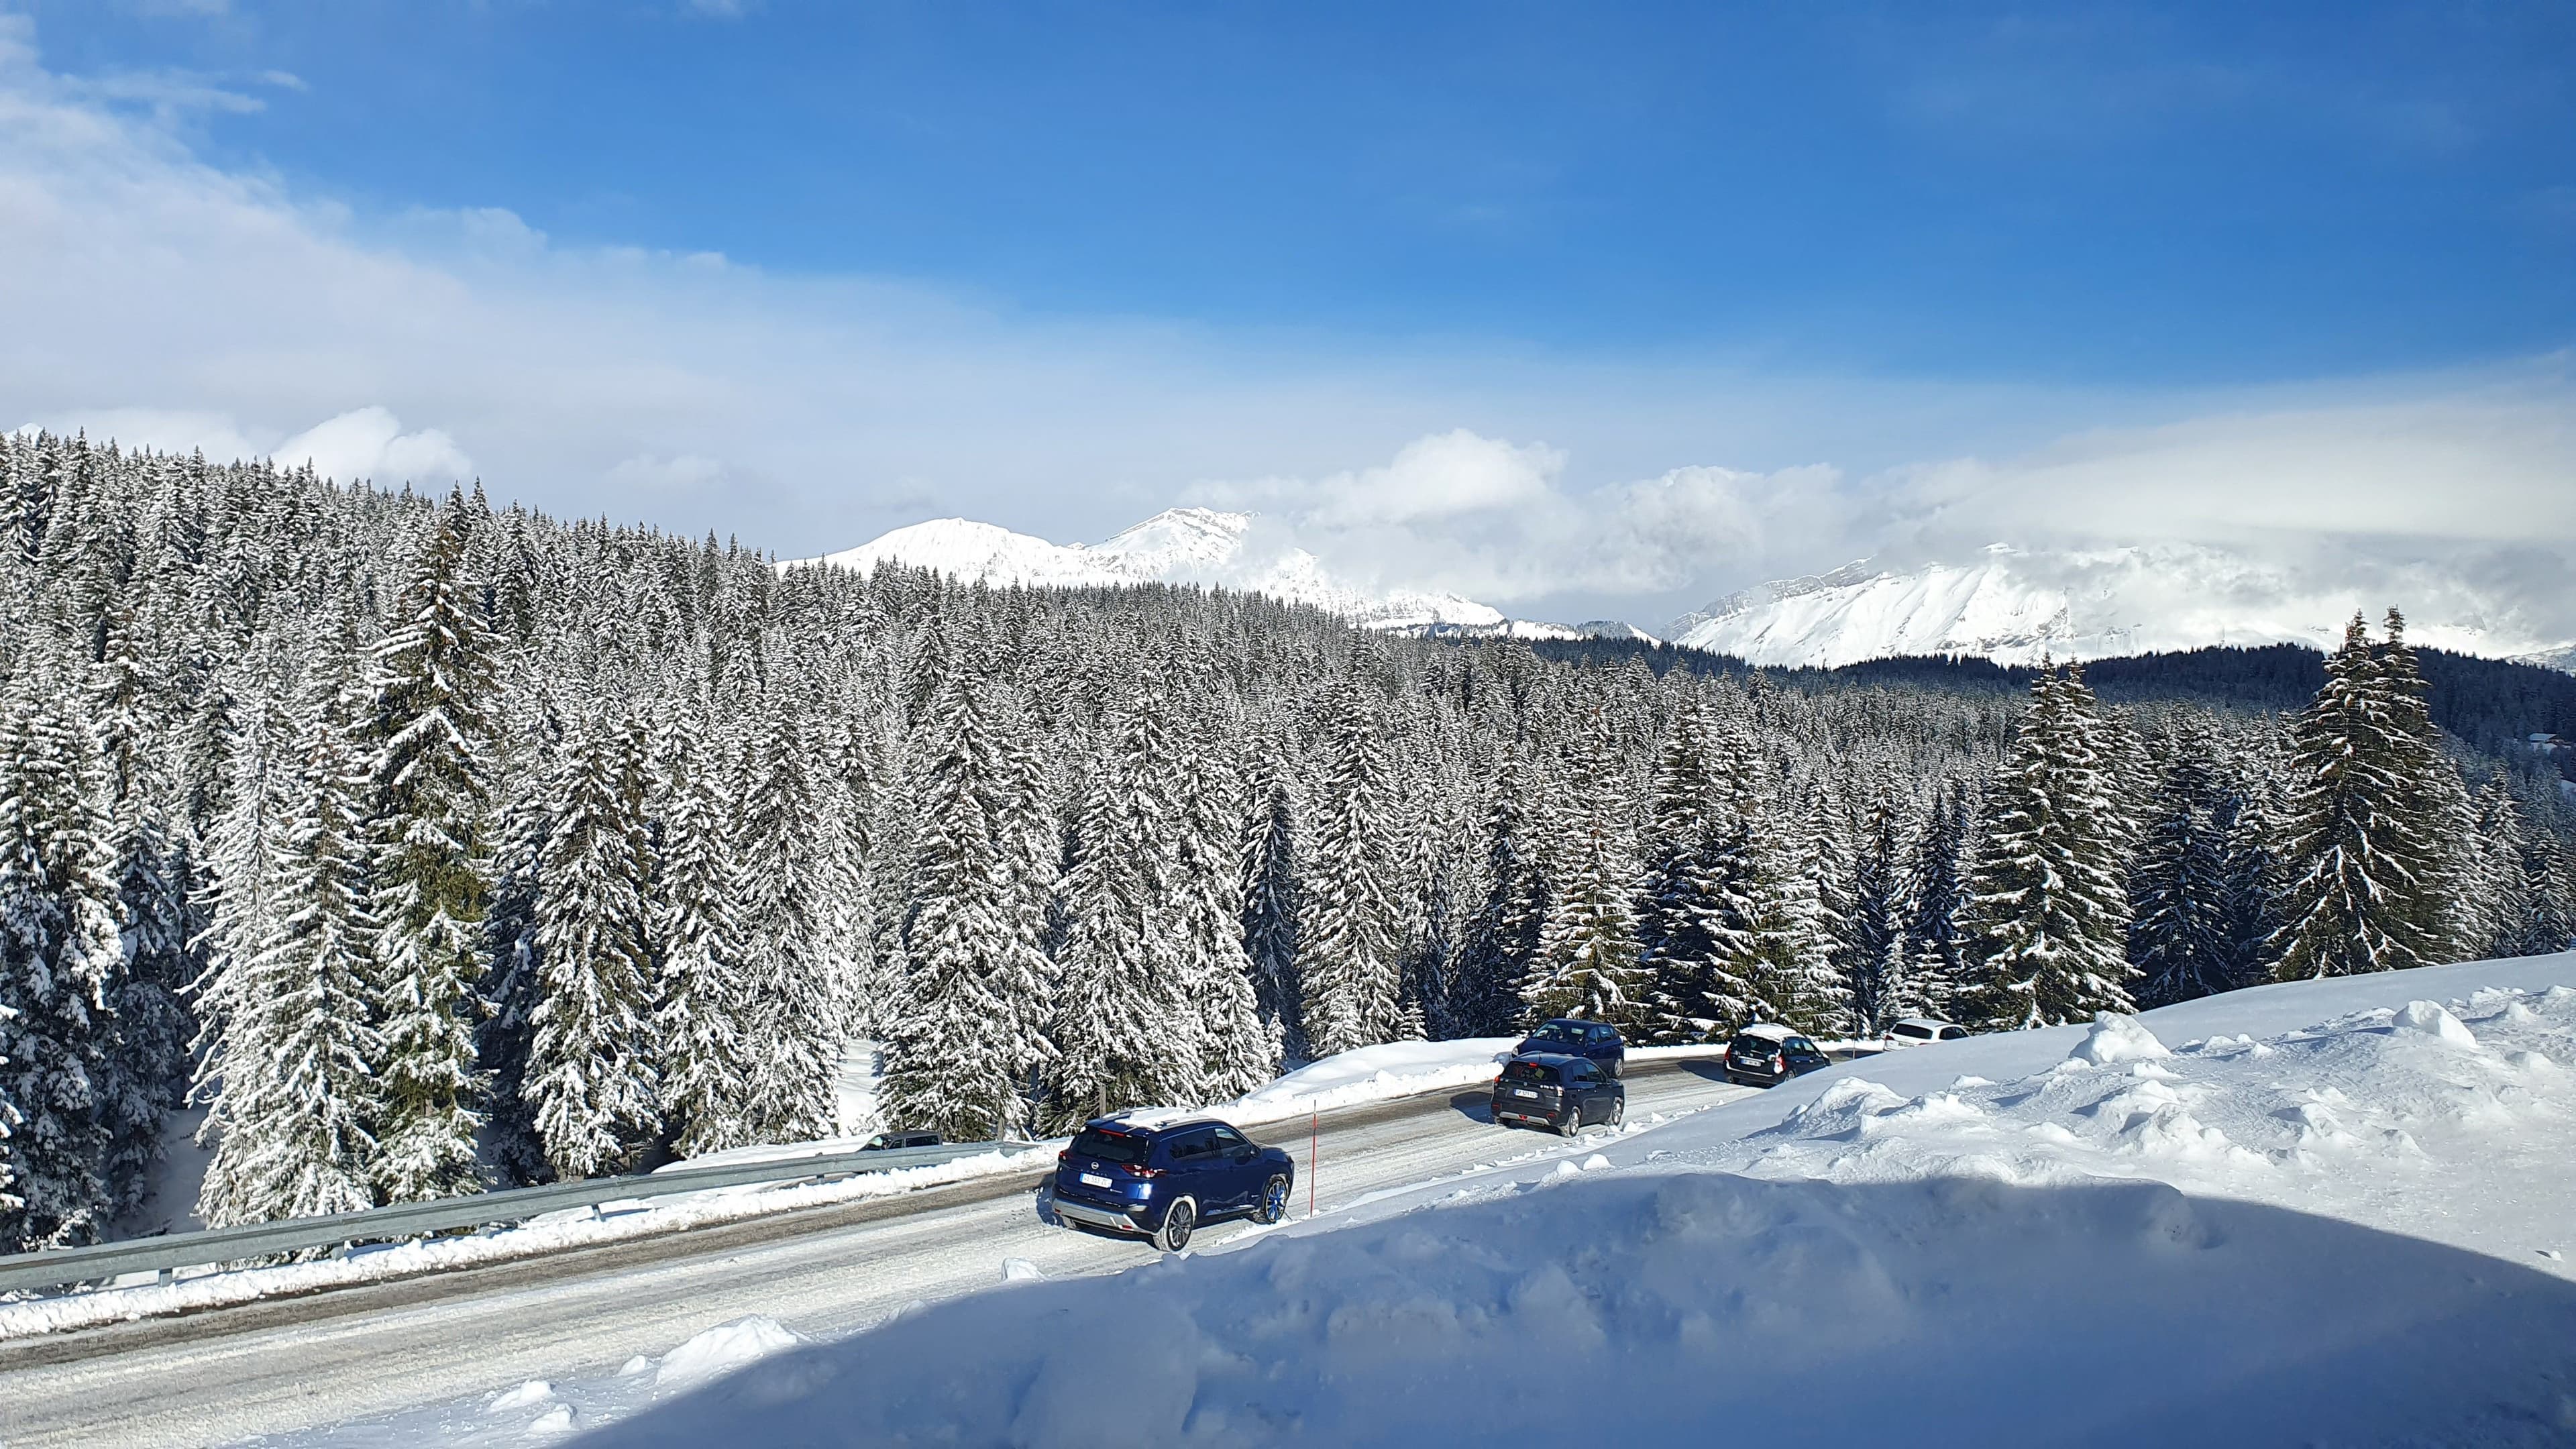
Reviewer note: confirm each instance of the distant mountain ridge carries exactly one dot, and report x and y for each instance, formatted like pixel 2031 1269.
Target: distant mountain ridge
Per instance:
pixel 1177 546
pixel 2010 606
pixel 2016 608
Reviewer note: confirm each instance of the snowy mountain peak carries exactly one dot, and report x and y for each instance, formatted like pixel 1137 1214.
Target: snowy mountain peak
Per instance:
pixel 1178 545
pixel 971 550
pixel 1178 538
pixel 2018 607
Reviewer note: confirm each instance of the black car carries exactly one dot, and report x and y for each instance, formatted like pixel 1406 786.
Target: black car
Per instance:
pixel 1162 1182
pixel 889 1141
pixel 1764 1055
pixel 1575 1037
pixel 1549 1089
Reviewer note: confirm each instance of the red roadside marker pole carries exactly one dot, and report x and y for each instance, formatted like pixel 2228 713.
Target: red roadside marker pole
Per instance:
pixel 1314 1142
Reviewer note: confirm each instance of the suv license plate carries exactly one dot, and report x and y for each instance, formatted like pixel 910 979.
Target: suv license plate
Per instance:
pixel 1523 1092
pixel 1096 1180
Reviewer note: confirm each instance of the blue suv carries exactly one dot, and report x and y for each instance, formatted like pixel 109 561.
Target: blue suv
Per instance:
pixel 1567 1036
pixel 1162 1182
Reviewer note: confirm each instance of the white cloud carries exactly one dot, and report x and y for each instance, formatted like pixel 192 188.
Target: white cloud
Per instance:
pixel 1494 520
pixel 369 443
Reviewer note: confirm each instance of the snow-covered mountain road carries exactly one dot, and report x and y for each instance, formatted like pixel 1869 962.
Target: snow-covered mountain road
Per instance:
pixel 413 1360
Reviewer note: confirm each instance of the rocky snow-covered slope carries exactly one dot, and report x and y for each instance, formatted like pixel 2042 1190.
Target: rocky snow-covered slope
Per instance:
pixel 1179 545
pixel 2016 607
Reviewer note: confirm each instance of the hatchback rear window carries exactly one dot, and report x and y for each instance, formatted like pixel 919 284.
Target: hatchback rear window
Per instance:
pixel 1755 1045
pixel 1907 1028
pixel 1529 1072
pixel 1566 1034
pixel 1112 1146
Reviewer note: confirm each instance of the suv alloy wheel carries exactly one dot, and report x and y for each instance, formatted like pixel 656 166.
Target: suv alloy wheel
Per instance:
pixel 1178 1220
pixel 1274 1200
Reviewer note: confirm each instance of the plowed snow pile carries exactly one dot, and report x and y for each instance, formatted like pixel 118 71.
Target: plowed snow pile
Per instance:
pixel 2331 1213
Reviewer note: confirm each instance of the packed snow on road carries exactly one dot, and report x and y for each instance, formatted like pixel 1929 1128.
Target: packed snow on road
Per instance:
pixel 2322 1212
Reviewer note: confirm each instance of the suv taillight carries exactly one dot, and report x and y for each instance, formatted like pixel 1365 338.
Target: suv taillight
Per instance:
pixel 1138 1169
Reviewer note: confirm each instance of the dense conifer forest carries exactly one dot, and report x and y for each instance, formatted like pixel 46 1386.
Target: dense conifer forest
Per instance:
pixel 437 845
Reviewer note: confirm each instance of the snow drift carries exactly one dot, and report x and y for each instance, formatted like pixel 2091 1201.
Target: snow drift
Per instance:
pixel 2333 1212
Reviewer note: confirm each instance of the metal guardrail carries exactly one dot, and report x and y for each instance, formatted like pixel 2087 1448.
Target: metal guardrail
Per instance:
pixel 54 1267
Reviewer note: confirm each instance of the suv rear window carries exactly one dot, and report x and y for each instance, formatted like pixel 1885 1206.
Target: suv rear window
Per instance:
pixel 1529 1072
pixel 1112 1146
pixel 1567 1035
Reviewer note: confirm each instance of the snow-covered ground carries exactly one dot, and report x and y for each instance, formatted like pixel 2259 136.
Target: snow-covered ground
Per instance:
pixel 2337 1212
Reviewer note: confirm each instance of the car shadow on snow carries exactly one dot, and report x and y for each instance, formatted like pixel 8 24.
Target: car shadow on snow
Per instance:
pixel 1475 1106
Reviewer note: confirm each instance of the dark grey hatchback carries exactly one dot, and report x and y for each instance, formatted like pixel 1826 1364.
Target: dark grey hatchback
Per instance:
pixel 1566 1093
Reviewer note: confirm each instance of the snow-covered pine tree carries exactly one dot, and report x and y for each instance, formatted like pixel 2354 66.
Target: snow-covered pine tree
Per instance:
pixel 2249 903
pixel 1031 845
pixel 244 903
pixel 2366 867
pixel 951 1062
pixel 146 1068
pixel 291 1062
pixel 1823 905
pixel 511 987
pixel 1240 1051
pixel 1936 887
pixel 1874 943
pixel 2178 929
pixel 1347 939
pixel 1679 918
pixel 2047 921
pixel 793 893
pixel 591 1086
pixel 60 961
pixel 2549 887
pixel 1271 894
pixel 431 737
pixel 1587 955
pixel 1126 1031
pixel 1501 941
pixel 702 1008
pixel 2496 895
pixel 1750 883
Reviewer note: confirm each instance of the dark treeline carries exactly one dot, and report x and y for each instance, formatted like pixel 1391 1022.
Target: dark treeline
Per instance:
pixel 436 845
pixel 2488 705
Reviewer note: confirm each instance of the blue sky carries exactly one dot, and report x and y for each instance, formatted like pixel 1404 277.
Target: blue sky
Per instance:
pixel 2106 193
pixel 1871 239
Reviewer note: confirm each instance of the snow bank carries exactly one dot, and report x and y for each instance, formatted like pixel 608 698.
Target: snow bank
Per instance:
pixel 2319 1215
pixel 724 1347
pixel 1372 1074
pixel 555 1232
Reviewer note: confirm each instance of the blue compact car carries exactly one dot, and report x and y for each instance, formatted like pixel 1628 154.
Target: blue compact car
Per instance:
pixel 1567 1037
pixel 1162 1182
